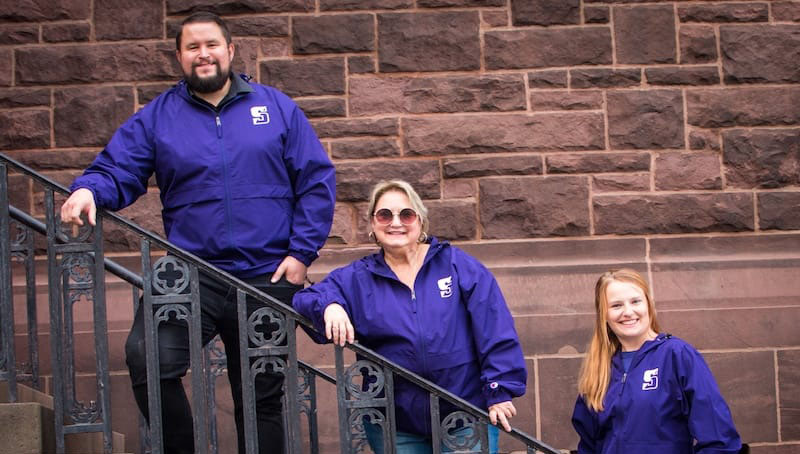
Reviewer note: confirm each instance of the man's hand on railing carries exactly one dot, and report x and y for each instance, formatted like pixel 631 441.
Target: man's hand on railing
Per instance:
pixel 502 411
pixel 79 202
pixel 338 328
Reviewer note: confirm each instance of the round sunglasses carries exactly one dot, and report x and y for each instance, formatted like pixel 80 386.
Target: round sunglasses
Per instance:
pixel 384 216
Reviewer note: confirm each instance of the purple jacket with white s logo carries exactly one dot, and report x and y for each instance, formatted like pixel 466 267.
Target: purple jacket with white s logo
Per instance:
pixel 242 188
pixel 667 403
pixel 454 329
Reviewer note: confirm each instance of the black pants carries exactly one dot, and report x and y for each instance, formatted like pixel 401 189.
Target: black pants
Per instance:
pixel 219 316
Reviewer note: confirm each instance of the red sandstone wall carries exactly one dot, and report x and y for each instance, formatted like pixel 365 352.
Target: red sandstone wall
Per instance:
pixel 553 139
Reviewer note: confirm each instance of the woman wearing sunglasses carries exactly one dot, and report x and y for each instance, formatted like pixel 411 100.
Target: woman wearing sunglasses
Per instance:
pixel 431 308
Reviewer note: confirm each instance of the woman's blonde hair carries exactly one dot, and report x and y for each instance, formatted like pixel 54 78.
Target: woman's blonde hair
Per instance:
pixel 400 186
pixel 595 372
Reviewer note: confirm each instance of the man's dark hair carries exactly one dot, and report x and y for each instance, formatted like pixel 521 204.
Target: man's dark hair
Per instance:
pixel 203 16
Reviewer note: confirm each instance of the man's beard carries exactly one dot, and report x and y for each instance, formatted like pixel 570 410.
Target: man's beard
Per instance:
pixel 208 84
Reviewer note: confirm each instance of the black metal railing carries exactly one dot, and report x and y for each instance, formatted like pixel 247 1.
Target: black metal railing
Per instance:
pixel 169 288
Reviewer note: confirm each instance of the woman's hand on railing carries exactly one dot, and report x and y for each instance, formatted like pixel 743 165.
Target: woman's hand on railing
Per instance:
pixel 79 202
pixel 502 411
pixel 338 328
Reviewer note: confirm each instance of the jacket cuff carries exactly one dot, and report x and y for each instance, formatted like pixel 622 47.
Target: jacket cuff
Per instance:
pixel 305 257
pixel 75 186
pixel 495 394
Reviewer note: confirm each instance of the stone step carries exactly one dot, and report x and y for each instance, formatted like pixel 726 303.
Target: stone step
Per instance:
pixel 28 425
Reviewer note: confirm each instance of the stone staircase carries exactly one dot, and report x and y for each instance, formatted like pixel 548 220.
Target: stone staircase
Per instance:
pixel 27 427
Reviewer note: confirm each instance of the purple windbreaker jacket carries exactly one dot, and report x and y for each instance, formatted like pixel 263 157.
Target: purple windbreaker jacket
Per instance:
pixel 667 403
pixel 454 329
pixel 242 188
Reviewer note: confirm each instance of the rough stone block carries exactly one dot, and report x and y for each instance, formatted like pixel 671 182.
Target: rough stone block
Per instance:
pixel 598 163
pixel 7 59
pixel 45 10
pixel 307 77
pixel 786 11
pixel 451 3
pixel 491 19
pixel 23 426
pixel 376 95
pixel 645 119
pixel 779 210
pixel 323 107
pixel 19 195
pixel 19 34
pixel 676 171
pixel 698 43
pixel 761 158
pixel 645 34
pixel 789 390
pixel 724 12
pixel 558 390
pixel 147 93
pixel 703 139
pixel 534 48
pixel 24 97
pixel 59 33
pixel 545 12
pixel 354 128
pixel 354 181
pixel 566 100
pixel 96 64
pixel 459 189
pixel 746 106
pixel 596 14
pixel 503 133
pixel 274 47
pixel 45 160
pixel 365 148
pixel 453 220
pixel 360 64
pixel 245 59
pixel 333 33
pixel 112 19
pixel 342 231
pixel 556 334
pixel 672 213
pixel 547 79
pixel 621 183
pixel 529 207
pixel 759 54
pixel 695 75
pixel 175 7
pixel 428 41
pixel 498 165
pixel 605 78
pixel 24 129
pixel 261 26
pixel 349 5
pixel 88 116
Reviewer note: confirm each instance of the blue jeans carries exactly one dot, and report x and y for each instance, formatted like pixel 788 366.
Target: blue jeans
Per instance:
pixel 408 443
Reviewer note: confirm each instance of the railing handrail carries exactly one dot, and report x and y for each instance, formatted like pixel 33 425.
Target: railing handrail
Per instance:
pixel 262 297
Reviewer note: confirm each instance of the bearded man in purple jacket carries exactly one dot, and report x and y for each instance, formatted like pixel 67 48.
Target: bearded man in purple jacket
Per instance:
pixel 245 184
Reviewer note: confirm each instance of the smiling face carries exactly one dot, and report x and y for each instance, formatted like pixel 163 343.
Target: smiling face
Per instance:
pixel 395 235
pixel 205 57
pixel 628 314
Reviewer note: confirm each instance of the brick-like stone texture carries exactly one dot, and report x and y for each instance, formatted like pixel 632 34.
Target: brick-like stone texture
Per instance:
pixel 789 379
pixel 760 54
pixel 761 158
pixel 494 18
pixel 435 136
pixel 621 183
pixel 779 210
pixel 356 128
pixel 24 97
pixel 558 391
pixel 175 7
pixel 24 129
pixel 596 14
pixel 349 5
pixel 19 34
pixel 113 19
pixel 453 220
pixel 354 181
pixel 673 213
pixel 89 116
pixel 696 75
pixel 95 64
pixel 697 170
pixel 333 34
pixel 750 106
pixel 598 163
pixel 545 12
pixel 500 165
pixel 365 148
pixel 323 107
pixel 566 100
pixel 651 119
pixel 375 95
pixel 533 48
pixel 435 41
pixel 59 33
pixel 605 78
pixel 529 207
pixel 449 3
pixel 264 26
pixel 307 77
pixel 724 12
pixel 704 139
pixel 6 58
pixel 45 10
pixel 786 11
pixel 547 79
pixel 360 64
pixel 698 44
pixel 645 34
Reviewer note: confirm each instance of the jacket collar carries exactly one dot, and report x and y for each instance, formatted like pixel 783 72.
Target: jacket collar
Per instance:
pixel 616 360
pixel 376 263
